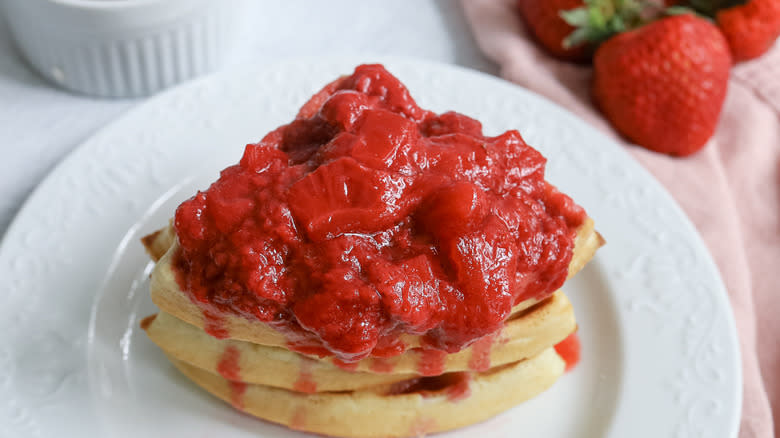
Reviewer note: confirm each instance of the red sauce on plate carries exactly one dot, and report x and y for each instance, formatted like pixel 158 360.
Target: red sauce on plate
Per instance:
pixel 368 217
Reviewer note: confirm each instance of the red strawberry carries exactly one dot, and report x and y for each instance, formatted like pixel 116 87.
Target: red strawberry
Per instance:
pixel 750 29
pixel 545 23
pixel 663 84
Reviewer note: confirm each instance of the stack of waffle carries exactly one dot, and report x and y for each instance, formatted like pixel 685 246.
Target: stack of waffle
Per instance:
pixel 419 391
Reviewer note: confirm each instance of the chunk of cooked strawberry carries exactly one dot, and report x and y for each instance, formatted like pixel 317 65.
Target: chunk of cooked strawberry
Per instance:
pixel 263 264
pixel 483 265
pixel 345 313
pixel 339 146
pixel 229 201
pixel 452 210
pixel 374 80
pixel 409 291
pixel 451 123
pixel 458 155
pixel 189 219
pixel 560 204
pixel 261 156
pixel 229 213
pixel 344 108
pixel 344 196
pixel 523 163
pixel 385 135
pixel 303 137
pixel 546 244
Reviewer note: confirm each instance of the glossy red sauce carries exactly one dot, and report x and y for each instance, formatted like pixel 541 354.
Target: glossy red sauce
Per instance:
pixel 569 350
pixel 368 217
pixel 214 324
pixel 230 368
pixel 347 366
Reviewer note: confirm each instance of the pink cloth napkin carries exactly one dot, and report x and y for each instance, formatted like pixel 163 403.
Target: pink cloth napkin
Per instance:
pixel 730 190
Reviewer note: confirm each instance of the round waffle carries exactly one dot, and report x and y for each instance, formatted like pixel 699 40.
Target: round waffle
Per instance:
pixel 523 336
pixel 413 409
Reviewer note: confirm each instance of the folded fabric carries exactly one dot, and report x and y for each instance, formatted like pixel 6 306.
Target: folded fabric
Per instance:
pixel 730 190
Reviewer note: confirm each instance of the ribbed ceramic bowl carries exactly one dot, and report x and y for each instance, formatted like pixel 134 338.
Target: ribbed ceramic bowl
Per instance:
pixel 123 48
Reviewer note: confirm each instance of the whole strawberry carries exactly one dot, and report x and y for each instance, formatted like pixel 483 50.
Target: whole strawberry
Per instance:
pixel 543 19
pixel 750 29
pixel 663 84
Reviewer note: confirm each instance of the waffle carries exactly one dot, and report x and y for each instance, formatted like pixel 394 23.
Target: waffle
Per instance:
pixel 523 336
pixel 374 397
pixel 386 411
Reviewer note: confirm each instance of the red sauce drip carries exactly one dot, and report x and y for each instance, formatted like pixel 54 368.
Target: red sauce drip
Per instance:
pixel 347 366
pixel 382 365
pixel 229 367
pixel 569 350
pixel 480 353
pixel 298 420
pixel 388 346
pixel 431 362
pixel 237 390
pixel 368 217
pixel 305 382
pixel 214 325
pixel 457 386
pixel 461 389
pixel 146 322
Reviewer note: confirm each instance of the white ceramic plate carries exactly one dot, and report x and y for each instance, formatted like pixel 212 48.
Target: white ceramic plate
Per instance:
pixel 660 356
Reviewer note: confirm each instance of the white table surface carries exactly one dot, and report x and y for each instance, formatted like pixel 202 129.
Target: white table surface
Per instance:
pixel 41 124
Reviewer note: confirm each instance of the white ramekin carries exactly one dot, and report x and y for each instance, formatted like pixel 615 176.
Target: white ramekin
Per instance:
pixel 123 48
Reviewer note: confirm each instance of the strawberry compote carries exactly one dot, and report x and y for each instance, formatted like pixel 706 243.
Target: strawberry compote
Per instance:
pixel 368 217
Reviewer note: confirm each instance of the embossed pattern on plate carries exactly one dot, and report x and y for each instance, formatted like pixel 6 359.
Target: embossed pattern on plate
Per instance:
pixel 653 312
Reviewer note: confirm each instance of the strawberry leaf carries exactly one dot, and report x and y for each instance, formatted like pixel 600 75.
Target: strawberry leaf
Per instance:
pixel 598 20
pixel 677 10
pixel 579 17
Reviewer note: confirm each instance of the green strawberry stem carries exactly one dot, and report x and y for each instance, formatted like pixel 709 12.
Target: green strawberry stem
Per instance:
pixel 598 20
